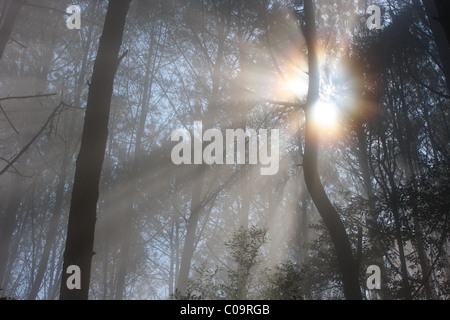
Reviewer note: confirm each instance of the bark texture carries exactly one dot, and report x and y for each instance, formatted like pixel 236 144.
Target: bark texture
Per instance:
pixel 83 209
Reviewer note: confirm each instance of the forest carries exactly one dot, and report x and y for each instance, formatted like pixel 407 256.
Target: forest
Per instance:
pixel 224 150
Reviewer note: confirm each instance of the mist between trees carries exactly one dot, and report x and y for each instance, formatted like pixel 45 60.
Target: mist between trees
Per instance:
pixel 359 123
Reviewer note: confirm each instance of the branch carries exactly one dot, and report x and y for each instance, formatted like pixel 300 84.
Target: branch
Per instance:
pixel 60 11
pixel 7 118
pixel 119 61
pixel 442 95
pixel 441 246
pixel 29 144
pixel 29 97
pixel 272 55
pixel 15 169
pixel 287 104
pixel 20 44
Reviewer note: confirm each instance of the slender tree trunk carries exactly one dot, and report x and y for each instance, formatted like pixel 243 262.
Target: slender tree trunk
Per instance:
pixel 408 150
pixel 438 25
pixel 241 121
pixel 303 237
pixel 196 201
pixel 172 258
pixel 135 167
pixel 9 20
pixel 371 219
pixel 83 209
pixel 8 228
pixel 189 241
pixel 51 233
pixel 443 8
pixel 401 247
pixel 55 285
pixel 304 222
pixel 177 253
pixel 331 219
pixel 423 259
pixel 245 199
pixel 60 195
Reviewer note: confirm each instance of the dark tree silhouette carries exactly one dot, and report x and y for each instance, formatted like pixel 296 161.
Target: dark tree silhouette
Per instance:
pixel 331 219
pixel 443 7
pixel 83 208
pixel 438 15
pixel 11 11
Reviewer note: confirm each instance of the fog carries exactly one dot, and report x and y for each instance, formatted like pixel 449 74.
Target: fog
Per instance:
pixel 217 150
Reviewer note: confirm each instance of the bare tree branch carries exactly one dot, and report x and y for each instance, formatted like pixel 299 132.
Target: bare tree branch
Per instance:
pixel 29 144
pixel 7 118
pixel 29 97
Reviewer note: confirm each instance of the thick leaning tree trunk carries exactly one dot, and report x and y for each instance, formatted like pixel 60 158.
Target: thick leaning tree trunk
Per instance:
pixel 330 217
pixel 83 207
pixel 7 26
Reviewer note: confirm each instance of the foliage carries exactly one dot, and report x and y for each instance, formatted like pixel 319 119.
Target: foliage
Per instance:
pixel 285 282
pixel 243 252
pixel 245 280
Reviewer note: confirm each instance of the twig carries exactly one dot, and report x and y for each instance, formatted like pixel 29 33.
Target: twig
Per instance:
pixel 15 169
pixel 7 118
pixel 287 104
pixel 119 61
pixel 29 144
pixel 20 44
pixel 440 94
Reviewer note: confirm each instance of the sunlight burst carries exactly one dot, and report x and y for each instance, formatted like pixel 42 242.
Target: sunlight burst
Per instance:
pixel 325 115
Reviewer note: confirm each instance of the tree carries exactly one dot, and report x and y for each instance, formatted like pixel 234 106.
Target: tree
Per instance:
pixel 347 262
pixel 438 15
pixel 216 63
pixel 11 9
pixel 244 255
pixel 83 208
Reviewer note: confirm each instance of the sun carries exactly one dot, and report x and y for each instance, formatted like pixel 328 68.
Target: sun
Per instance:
pixel 325 115
pixel 336 94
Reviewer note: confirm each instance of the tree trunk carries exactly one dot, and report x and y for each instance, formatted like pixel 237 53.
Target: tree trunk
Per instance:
pixel 245 196
pixel 331 219
pixel 440 37
pixel 83 209
pixel 60 194
pixel 52 232
pixel 443 8
pixel 135 168
pixel 401 248
pixel 189 241
pixel 9 20
pixel 371 219
pixel 409 154
pixel 8 227
pixel 196 201
pixel 172 258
